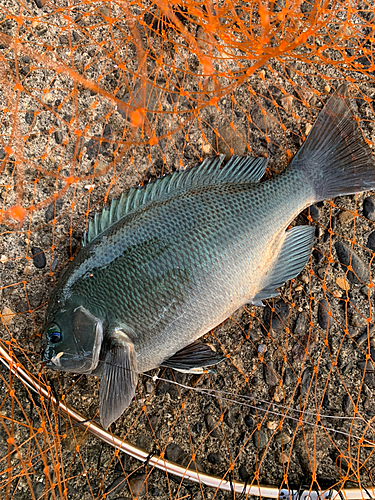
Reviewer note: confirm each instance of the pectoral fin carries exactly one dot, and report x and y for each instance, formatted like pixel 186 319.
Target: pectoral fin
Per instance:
pixel 293 256
pixel 193 358
pixel 119 378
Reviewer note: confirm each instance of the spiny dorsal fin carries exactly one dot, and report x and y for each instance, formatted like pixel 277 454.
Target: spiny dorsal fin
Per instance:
pixel 209 172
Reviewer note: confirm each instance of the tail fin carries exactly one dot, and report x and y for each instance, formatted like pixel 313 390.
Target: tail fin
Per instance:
pixel 335 157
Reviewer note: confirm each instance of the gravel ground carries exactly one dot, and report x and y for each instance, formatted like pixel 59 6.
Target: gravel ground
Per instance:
pixel 307 352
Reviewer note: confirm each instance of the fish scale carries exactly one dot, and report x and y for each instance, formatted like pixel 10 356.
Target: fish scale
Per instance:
pixel 168 262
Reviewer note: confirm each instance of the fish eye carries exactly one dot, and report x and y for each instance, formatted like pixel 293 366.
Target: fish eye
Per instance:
pixel 54 334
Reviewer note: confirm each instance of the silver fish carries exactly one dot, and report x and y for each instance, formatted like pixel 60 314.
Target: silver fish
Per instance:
pixel 168 262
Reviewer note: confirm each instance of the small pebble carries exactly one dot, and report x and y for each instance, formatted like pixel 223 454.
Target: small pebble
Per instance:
pixel 272 425
pixel 276 320
pixel 244 475
pixel 323 317
pixel 214 458
pixel 283 437
pixel 114 488
pixel 289 376
pixel 229 140
pixel 278 394
pixel 314 213
pixel 174 453
pixel 39 259
pixel 260 439
pixel 58 136
pixel 211 425
pixel 306 379
pixel 356 320
pixel 369 208
pixel 345 218
pixel 284 457
pixel 262 348
pixel 249 421
pixel 308 128
pixel 7 316
pixel 301 325
pixel 50 211
pixel 39 490
pixel 269 374
pixel 39 3
pixel 287 103
pixel 54 264
pixel 343 284
pixel 206 148
pixel 347 405
pixel 137 484
pixel 198 427
pixel 149 386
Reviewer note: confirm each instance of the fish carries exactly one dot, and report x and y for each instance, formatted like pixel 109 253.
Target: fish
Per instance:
pixel 167 262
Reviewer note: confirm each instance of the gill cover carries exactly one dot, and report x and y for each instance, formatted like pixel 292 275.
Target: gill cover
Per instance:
pixel 73 341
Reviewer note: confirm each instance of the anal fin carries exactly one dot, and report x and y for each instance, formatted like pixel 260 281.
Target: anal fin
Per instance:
pixel 193 358
pixel 119 378
pixel 293 256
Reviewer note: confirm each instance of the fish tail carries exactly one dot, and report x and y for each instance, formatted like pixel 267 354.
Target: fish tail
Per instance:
pixel 335 157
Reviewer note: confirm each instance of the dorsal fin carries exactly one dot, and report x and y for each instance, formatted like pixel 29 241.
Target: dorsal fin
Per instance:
pixel 210 171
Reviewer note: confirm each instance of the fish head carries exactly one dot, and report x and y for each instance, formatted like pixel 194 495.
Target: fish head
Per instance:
pixel 72 339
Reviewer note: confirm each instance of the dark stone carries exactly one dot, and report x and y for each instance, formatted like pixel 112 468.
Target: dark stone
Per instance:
pixel 174 453
pixel 314 212
pixel 232 417
pixel 34 300
pixel 298 352
pixel 277 319
pixel 269 374
pixel 347 256
pixel 301 324
pixel 249 421
pixel 58 136
pixel 29 117
pixel 153 425
pixel 369 208
pixel 323 317
pixel 198 427
pixel 39 490
pixel 371 241
pixel 210 424
pixel 289 376
pixel 54 264
pixel 318 256
pixel 137 482
pixel 244 475
pixel 164 387
pixel 214 458
pixel 97 144
pixel 50 211
pixel 370 379
pixel 21 306
pixel 347 405
pixel 306 379
pixel 114 488
pixel 154 492
pixel 39 259
pixel 326 403
pixel 260 439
